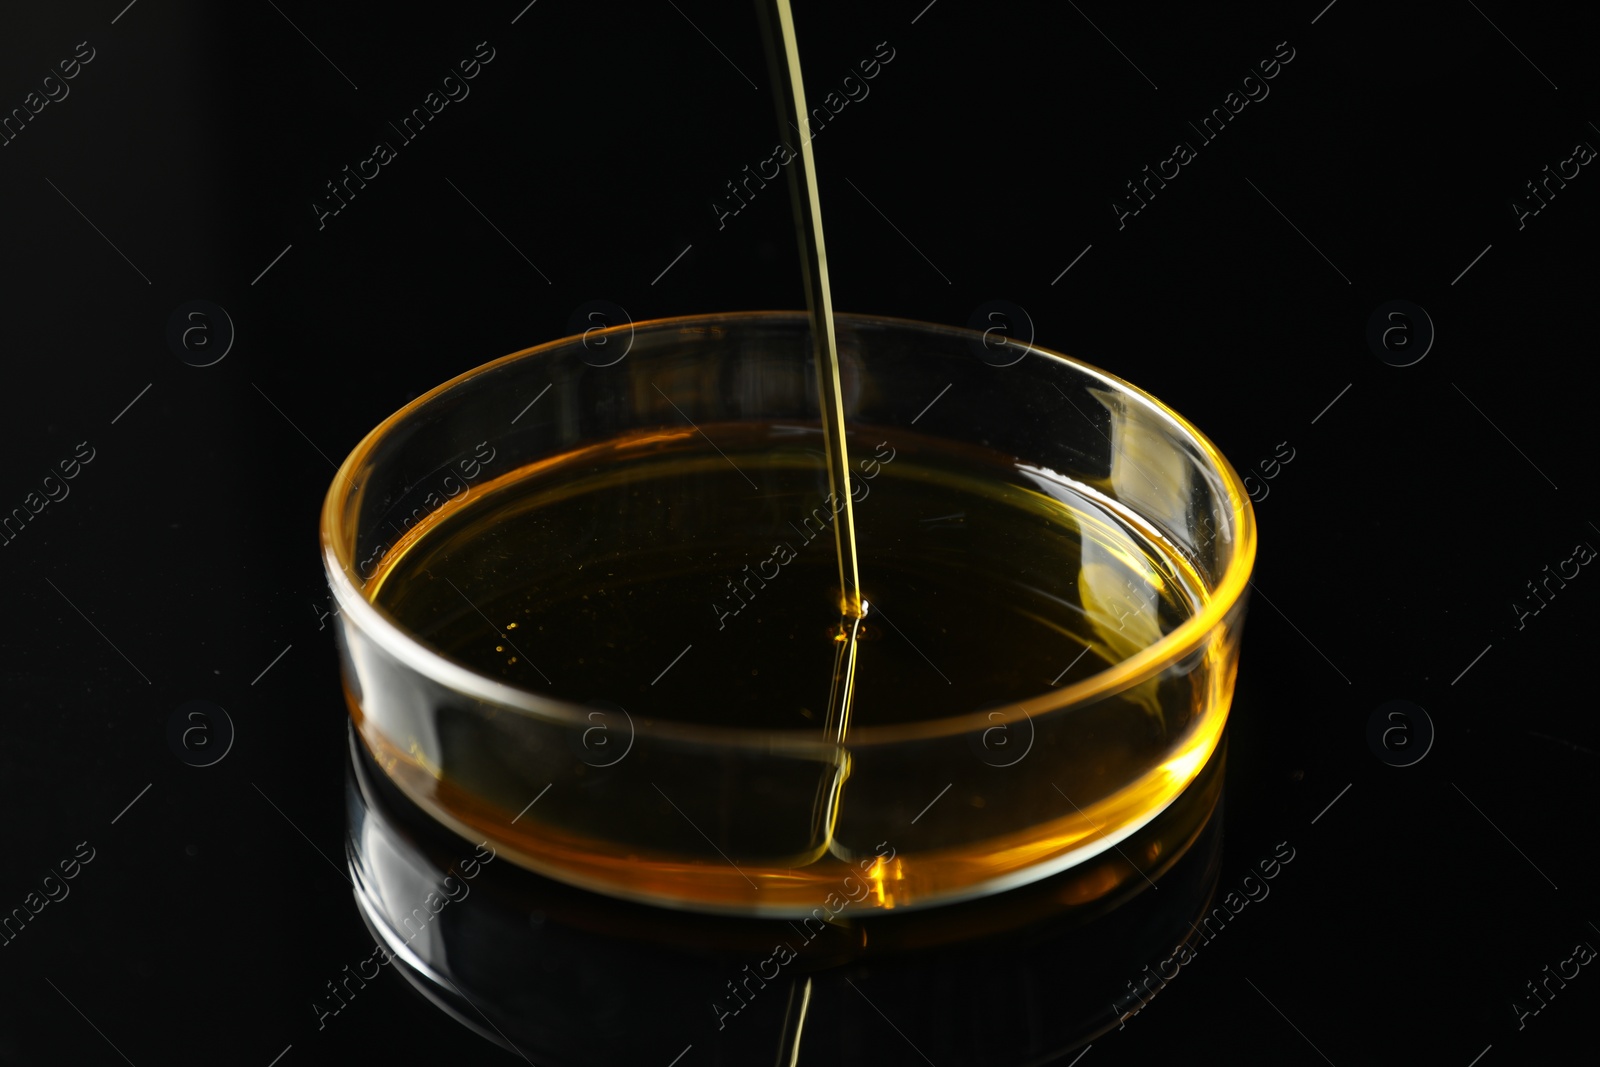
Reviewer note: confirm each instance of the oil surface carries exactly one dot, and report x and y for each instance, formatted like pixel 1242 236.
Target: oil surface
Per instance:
pixel 586 579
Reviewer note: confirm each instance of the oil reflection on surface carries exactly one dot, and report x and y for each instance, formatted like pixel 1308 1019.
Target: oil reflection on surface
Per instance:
pixel 563 976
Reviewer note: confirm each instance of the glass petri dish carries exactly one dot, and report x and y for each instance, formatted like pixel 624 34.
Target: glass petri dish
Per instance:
pixel 588 605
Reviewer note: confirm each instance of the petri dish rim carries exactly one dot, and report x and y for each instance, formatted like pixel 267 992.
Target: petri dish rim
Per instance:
pixel 388 633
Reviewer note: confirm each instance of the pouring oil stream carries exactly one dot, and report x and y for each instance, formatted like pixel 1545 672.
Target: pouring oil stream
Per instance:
pixel 784 52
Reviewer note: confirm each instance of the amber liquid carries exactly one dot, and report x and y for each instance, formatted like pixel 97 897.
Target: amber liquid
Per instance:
pixel 646 579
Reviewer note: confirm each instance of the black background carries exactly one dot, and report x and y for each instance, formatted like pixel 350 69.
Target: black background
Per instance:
pixel 188 155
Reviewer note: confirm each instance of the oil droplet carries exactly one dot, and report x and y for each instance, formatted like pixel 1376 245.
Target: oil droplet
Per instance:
pixel 511 626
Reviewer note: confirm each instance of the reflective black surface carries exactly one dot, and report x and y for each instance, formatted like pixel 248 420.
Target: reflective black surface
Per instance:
pixel 1390 161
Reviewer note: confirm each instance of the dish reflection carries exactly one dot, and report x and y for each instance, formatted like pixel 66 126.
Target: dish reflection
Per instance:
pixel 563 977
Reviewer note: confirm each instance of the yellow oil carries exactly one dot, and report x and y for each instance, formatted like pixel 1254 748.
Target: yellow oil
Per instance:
pixel 646 577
